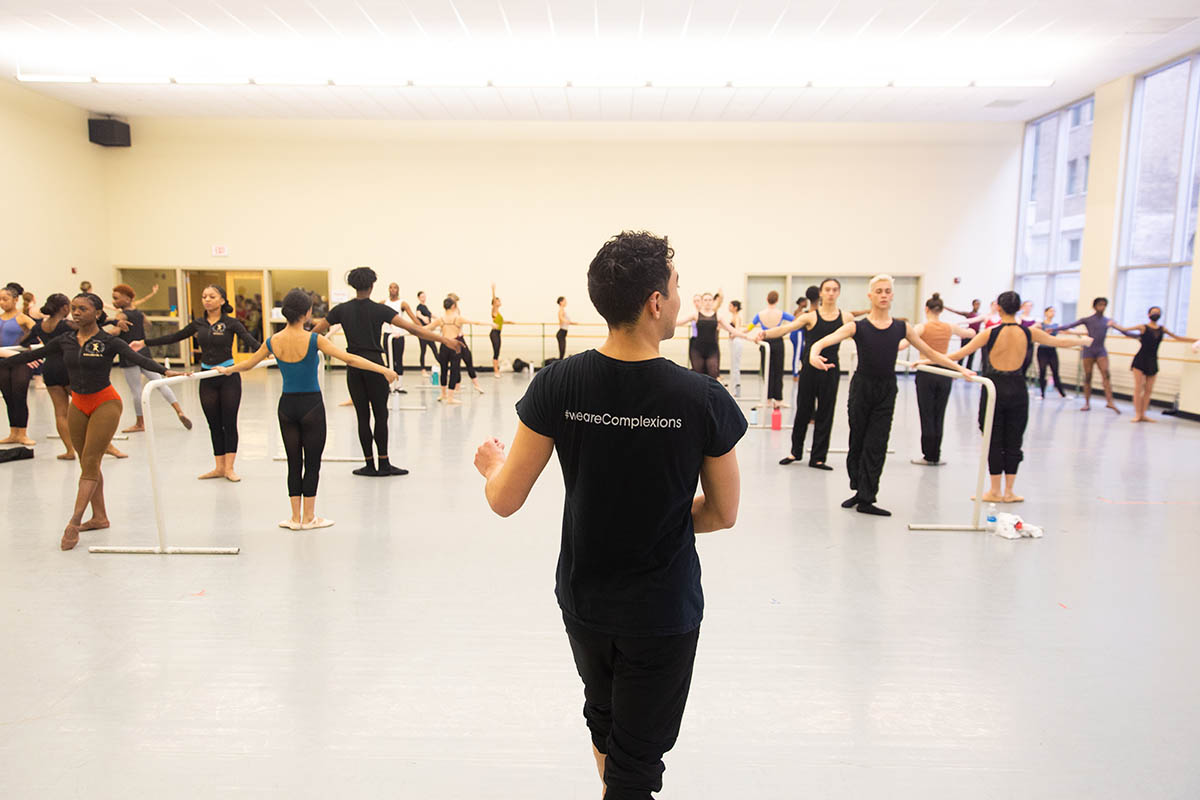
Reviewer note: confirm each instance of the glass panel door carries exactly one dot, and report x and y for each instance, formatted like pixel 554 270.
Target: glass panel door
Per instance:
pixel 245 290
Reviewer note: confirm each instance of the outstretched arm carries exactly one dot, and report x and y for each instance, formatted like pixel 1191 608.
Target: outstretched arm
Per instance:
pixel 837 337
pixel 978 341
pixel 425 332
pixel 510 477
pixel 799 322
pixel 1041 337
pixel 407 309
pixel 1177 337
pixel 933 355
pixel 138 301
pixel 358 362
pixel 321 326
pixel 261 353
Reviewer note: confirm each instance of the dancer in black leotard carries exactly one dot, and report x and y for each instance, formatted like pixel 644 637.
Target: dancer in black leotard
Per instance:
pixel 816 389
pixel 362 320
pixel 1007 355
pixel 703 351
pixel 1047 357
pixel 220 397
pixel 872 400
pixel 95 408
pixel 1145 363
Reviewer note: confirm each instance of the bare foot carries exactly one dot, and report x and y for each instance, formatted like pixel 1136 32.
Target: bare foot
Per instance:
pixel 988 497
pixel 1113 407
pixel 65 456
pixel 454 402
pixel 233 477
pixel 10 439
pixel 25 440
pixel 70 537
pixel 1086 408
pixel 1147 419
pixel 185 422
pixel 216 473
pixel 94 524
pixel 115 453
pixel 1013 498
pixel 133 429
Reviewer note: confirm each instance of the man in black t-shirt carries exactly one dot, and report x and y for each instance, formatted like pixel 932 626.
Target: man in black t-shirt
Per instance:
pixel 634 434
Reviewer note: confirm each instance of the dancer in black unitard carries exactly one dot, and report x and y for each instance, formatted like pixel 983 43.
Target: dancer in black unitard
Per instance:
pixel 704 351
pixel 1145 363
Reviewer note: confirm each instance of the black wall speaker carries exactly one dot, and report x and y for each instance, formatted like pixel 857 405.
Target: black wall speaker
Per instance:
pixel 108 132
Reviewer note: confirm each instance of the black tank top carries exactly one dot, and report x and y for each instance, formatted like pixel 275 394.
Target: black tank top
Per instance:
pixel 706 330
pixel 1150 340
pixel 877 349
pixel 816 333
pixel 988 369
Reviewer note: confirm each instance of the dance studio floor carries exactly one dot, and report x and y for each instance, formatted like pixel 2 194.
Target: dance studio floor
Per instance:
pixel 415 649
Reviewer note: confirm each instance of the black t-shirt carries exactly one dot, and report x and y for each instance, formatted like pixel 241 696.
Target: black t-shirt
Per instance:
pixel 362 321
pixel 136 332
pixel 89 365
pixel 215 340
pixel 631 437
pixel 424 313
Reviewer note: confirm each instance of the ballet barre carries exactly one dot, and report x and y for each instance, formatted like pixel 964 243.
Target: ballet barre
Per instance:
pixel 988 414
pixel 155 489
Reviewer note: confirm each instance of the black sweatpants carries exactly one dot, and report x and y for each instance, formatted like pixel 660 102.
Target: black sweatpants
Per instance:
pixel 397 363
pixel 775 382
pixel 634 690
pixel 814 388
pixel 369 391
pixel 220 398
pixel 450 363
pixel 302 425
pixel 1008 424
pixel 871 404
pixel 14 385
pixel 426 344
pixel 933 393
pixel 1047 357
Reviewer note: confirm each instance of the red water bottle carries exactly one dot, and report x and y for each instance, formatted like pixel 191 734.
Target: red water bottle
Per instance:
pixel 776 418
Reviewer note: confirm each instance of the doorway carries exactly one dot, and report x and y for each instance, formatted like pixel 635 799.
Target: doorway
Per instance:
pixel 245 292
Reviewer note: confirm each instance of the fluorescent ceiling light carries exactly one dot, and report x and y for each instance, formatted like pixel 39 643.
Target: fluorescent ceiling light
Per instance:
pixel 1019 83
pixel 291 81
pixel 931 83
pixel 849 83
pixel 40 78
pixel 211 80
pixel 133 79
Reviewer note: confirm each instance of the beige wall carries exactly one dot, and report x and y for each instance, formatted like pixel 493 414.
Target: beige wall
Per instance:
pixel 53 209
pixel 454 207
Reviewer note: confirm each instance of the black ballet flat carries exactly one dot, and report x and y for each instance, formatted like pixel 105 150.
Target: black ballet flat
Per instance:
pixel 783 462
pixel 823 466
pixel 872 509
pixel 367 472
pixel 851 503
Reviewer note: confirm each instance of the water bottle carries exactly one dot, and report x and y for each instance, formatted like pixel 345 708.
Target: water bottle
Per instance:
pixel 991 517
pixel 754 415
pixel 435 377
pixel 776 418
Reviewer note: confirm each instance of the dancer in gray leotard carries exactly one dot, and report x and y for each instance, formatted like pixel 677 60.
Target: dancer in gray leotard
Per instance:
pixel 1095 354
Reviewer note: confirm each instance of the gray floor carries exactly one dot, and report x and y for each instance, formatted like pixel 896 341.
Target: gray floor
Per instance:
pixel 415 650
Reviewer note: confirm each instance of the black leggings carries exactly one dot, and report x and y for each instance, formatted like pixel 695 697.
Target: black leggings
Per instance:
pixel 933 393
pixel 220 398
pixel 706 359
pixel 635 689
pixel 495 337
pixel 450 362
pixel 425 343
pixel 369 391
pixel 14 384
pixel 1048 357
pixel 819 389
pixel 397 364
pixel 871 405
pixel 302 425
pixel 775 382
pixel 466 359
pixel 562 343
pixel 1008 424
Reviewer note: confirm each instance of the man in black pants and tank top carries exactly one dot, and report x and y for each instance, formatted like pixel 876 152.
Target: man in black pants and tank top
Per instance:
pixel 872 400
pixel 815 387
pixel 634 433
pixel 362 320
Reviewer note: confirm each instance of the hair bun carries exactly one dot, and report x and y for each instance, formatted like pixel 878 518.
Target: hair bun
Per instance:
pixel 937 296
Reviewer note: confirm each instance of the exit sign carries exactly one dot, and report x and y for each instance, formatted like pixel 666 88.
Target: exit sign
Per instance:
pixel 220 251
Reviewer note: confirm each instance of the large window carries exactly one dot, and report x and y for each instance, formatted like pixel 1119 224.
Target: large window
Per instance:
pixel 1162 191
pixel 1054 184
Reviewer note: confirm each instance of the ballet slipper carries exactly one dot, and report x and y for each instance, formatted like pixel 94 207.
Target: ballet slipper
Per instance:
pixel 290 524
pixel 872 509
pixel 70 537
pixel 94 524
pixel 789 459
pixel 820 465
pixel 317 522
pixel 233 477
pixel 216 473
pixel 65 456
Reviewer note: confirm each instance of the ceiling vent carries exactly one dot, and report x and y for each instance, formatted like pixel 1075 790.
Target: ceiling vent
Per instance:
pixel 1004 104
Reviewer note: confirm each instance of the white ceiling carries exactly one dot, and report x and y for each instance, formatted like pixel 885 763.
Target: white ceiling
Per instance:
pixel 706 60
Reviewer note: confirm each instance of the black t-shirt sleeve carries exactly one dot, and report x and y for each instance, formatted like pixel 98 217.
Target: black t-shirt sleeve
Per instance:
pixel 127 353
pixel 536 409
pixel 725 422
pixel 334 317
pixel 33 355
pixel 238 328
pixel 178 336
pixel 384 313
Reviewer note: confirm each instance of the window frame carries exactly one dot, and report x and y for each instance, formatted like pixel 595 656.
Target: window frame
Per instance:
pixel 1189 153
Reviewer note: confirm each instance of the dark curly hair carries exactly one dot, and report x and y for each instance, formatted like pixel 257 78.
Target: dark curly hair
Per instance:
pixel 361 278
pixel 629 268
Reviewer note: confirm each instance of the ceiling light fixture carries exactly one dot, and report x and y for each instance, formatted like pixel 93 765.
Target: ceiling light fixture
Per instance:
pixel 41 78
